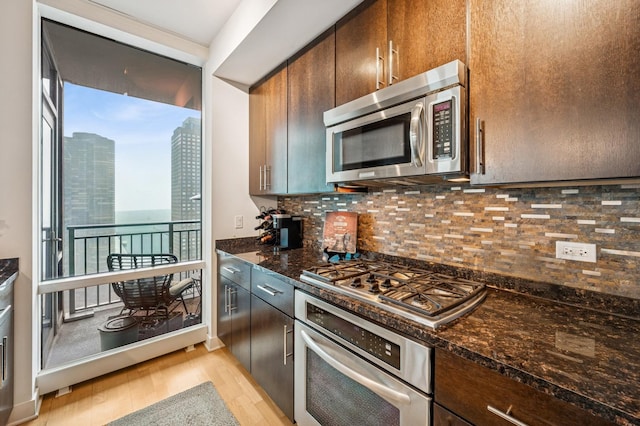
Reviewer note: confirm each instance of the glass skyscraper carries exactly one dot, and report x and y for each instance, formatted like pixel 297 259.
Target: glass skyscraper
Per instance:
pixel 186 170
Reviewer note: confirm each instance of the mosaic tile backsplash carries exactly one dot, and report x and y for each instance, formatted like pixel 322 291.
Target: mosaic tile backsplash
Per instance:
pixel 506 231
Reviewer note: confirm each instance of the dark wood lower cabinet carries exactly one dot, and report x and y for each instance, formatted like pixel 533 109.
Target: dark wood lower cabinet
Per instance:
pixel 234 324
pixel 444 417
pixel 479 395
pixel 271 342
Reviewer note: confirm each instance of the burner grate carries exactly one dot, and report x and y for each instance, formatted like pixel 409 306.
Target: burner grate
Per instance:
pixel 425 292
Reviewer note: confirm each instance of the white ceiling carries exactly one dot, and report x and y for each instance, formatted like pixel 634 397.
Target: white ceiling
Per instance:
pixel 195 20
pixel 247 38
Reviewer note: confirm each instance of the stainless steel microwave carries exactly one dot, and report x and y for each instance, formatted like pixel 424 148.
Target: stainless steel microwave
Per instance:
pixel 409 133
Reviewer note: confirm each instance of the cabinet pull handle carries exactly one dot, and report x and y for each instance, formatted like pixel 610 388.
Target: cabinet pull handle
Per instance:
pixel 267 177
pixel 230 270
pixel 226 299
pixel 231 293
pixel 285 355
pixel 479 147
pixel 261 184
pixel 506 416
pixel 379 69
pixel 269 290
pixel 393 54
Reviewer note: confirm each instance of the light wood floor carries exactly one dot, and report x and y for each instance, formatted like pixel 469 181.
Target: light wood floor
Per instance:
pixel 101 400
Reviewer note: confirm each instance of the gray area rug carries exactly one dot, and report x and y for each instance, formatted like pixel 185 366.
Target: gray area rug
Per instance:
pixel 200 405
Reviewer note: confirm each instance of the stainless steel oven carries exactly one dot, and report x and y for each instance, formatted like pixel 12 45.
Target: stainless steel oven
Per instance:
pixel 350 371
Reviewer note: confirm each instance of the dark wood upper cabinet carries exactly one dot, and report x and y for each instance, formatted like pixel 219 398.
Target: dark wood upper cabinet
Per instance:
pixel 386 41
pixel 359 35
pixel 311 92
pixel 426 34
pixel 555 90
pixel 257 140
pixel 268 135
pixel 276 131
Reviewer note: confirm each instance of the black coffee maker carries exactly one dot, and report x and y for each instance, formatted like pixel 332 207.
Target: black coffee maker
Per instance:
pixel 288 231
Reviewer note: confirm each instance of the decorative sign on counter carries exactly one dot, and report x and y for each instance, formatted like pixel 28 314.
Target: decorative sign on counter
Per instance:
pixel 341 232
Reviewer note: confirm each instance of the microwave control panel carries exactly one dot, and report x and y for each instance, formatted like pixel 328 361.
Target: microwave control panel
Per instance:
pixel 443 130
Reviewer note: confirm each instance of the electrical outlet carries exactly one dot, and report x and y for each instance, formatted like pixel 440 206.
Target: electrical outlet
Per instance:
pixel 238 222
pixel 582 252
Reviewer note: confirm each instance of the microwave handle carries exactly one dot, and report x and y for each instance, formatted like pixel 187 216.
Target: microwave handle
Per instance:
pixel 415 134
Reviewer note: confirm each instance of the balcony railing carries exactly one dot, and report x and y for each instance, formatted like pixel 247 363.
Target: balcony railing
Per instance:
pixel 88 246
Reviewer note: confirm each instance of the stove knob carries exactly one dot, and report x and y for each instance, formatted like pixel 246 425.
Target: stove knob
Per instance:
pixel 386 283
pixel 374 288
pixel 356 283
pixel 371 279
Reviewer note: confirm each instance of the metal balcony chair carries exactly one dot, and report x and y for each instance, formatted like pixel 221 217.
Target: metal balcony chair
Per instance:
pixel 154 295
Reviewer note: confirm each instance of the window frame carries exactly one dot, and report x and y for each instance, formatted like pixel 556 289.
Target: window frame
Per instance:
pixel 124 30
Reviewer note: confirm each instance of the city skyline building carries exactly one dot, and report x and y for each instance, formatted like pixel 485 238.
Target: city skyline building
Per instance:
pixel 186 160
pixel 88 179
pixel 89 193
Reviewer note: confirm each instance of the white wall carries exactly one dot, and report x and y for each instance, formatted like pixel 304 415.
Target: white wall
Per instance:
pixel 230 172
pixel 16 87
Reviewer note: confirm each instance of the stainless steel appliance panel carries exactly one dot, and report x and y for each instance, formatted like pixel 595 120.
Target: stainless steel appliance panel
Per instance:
pixel 414 131
pixel 414 358
pixel 378 145
pixel 333 386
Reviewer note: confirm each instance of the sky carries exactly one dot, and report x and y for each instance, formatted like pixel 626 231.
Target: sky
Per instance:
pixel 142 133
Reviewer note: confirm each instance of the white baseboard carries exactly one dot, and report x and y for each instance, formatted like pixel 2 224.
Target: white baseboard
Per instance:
pixel 26 411
pixel 212 343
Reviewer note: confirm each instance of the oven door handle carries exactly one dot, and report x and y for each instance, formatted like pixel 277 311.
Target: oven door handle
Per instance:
pixel 388 393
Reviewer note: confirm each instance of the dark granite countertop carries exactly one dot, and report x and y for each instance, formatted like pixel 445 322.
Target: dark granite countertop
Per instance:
pixel 583 356
pixel 8 267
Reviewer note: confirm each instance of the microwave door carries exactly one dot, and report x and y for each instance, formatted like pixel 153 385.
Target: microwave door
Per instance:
pixel 384 144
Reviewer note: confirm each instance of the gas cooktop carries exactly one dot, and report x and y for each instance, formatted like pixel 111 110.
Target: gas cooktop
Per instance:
pixel 424 296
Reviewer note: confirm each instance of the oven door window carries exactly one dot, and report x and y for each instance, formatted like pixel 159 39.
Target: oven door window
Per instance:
pixel 333 398
pixel 381 143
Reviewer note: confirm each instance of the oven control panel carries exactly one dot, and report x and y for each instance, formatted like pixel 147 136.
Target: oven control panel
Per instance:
pixel 373 344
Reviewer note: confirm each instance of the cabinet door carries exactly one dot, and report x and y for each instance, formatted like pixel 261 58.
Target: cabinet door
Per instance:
pixel 483 397
pixel 272 341
pixel 276 132
pixel 234 319
pixel 311 92
pixel 444 417
pixel 241 325
pixel 555 87
pixel 223 314
pixel 358 35
pixel 424 35
pixel 257 140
